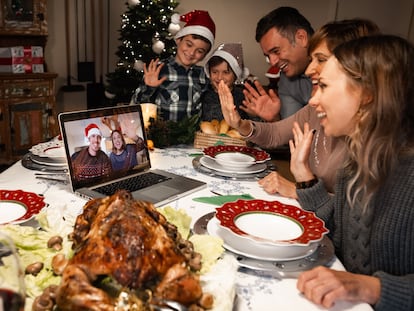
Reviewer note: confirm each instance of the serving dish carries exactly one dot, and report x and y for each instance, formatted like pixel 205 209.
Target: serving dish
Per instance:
pixel 258 155
pixel 18 206
pixel 212 164
pixel 235 160
pixel 269 230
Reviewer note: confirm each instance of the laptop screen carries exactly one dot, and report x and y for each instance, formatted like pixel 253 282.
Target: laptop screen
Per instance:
pixel 104 144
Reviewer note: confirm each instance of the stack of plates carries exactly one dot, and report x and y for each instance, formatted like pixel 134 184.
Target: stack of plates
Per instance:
pixel 270 231
pixel 234 160
pixel 48 156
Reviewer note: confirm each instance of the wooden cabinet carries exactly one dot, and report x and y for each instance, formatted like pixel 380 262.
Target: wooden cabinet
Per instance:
pixel 27 100
pixel 27 114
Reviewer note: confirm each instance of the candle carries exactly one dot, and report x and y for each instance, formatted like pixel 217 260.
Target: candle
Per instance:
pixel 148 111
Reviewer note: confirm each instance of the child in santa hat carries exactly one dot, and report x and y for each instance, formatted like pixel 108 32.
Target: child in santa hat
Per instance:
pixel 226 63
pixel 176 84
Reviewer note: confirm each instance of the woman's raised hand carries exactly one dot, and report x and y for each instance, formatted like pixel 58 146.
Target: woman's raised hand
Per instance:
pixel 300 148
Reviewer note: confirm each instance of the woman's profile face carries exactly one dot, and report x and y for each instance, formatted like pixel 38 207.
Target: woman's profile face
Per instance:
pixel 117 140
pixel 336 101
pixel 319 56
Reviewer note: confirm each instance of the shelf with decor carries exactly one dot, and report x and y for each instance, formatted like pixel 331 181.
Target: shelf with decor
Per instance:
pixel 27 89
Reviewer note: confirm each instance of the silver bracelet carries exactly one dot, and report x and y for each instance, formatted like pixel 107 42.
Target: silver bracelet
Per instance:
pixel 252 131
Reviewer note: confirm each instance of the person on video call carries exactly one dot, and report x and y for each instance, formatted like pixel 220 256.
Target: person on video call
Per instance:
pixel 128 149
pixel 91 162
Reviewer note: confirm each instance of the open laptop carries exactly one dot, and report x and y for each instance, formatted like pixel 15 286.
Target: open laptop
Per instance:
pixel 90 176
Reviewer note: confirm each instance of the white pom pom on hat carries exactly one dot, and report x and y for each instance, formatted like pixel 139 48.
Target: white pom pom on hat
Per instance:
pixel 200 23
pixel 233 54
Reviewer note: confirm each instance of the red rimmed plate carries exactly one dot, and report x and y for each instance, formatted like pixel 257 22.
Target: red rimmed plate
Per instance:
pixel 258 155
pixel 51 149
pixel 269 230
pixel 271 221
pixel 18 206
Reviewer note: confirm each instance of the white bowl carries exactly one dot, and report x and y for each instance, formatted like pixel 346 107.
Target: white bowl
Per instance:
pixel 234 160
pixel 269 230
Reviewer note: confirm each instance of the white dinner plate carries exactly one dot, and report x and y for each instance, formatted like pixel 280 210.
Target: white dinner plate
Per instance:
pixel 18 206
pixel 50 149
pixel 61 162
pixel 213 228
pixel 212 164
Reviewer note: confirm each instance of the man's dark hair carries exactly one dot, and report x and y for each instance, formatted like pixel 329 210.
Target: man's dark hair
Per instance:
pixel 286 20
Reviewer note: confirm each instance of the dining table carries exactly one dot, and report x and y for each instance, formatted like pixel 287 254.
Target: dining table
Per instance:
pixel 255 289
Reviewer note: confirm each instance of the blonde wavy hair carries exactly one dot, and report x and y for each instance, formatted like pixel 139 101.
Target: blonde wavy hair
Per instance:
pixel 383 67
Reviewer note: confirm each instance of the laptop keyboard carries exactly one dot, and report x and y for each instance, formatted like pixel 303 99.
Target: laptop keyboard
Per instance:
pixel 132 183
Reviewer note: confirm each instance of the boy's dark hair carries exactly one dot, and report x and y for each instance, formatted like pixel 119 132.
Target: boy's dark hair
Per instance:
pixel 286 20
pixel 217 60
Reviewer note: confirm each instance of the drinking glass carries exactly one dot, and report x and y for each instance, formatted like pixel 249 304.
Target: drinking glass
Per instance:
pixel 12 287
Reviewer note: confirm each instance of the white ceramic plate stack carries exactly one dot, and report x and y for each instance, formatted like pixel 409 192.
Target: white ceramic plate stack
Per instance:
pixel 267 230
pixel 49 153
pixel 235 160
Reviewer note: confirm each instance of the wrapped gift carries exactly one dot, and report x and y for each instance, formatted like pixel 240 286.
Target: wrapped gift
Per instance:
pixel 19 59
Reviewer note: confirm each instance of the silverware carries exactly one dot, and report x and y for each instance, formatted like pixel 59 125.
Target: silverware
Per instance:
pixel 64 181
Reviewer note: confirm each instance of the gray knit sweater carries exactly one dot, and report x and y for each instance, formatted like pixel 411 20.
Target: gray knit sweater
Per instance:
pixel 379 242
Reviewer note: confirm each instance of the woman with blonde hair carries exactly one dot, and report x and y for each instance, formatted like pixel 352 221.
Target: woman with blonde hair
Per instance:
pixel 366 95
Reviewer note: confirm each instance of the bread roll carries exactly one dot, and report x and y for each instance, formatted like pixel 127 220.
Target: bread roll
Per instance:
pixel 234 134
pixel 208 128
pixel 216 124
pixel 224 127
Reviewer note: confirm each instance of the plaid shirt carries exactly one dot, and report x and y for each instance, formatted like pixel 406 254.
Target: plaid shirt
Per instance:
pixel 178 96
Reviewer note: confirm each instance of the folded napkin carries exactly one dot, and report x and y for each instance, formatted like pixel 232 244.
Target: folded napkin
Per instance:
pixel 221 199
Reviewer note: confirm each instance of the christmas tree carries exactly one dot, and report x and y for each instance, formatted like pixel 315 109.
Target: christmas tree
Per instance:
pixel 147 32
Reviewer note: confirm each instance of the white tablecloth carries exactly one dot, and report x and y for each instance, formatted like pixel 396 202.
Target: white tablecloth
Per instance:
pixel 256 291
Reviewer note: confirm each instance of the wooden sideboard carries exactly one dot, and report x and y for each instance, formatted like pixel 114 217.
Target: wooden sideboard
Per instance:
pixel 27 100
pixel 27 113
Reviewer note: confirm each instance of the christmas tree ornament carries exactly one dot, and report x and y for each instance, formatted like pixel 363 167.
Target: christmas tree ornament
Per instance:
pixel 175 18
pixel 133 2
pixel 173 28
pixel 158 47
pixel 156 37
pixel 139 65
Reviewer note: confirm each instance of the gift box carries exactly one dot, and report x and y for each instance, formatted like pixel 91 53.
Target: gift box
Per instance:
pixel 20 59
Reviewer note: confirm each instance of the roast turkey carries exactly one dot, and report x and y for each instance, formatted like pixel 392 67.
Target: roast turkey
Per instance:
pixel 131 243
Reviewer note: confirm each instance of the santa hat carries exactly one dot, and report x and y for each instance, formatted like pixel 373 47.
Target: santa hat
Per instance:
pixel 198 23
pixel 233 54
pixel 92 129
pixel 273 72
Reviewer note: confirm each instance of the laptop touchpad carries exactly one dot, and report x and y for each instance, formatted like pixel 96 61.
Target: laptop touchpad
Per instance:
pixel 159 192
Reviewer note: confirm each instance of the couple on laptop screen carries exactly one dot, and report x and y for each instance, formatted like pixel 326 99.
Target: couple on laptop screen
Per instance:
pixel 106 147
pixel 93 141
